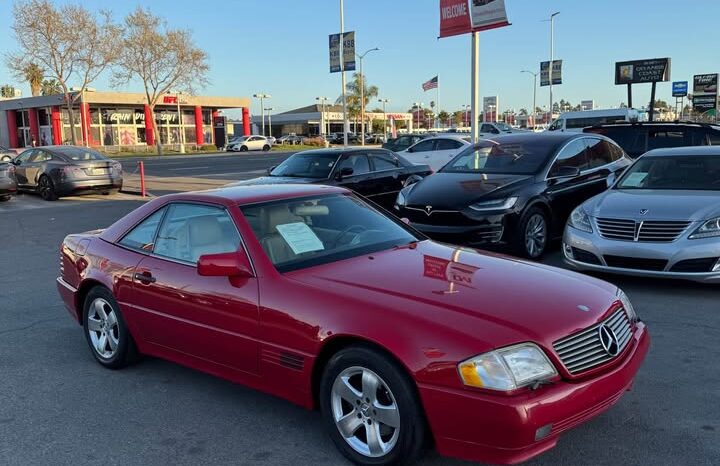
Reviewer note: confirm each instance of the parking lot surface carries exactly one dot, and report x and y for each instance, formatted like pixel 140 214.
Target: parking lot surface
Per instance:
pixel 59 407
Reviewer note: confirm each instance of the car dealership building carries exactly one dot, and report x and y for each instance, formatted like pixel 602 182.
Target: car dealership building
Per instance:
pixel 115 119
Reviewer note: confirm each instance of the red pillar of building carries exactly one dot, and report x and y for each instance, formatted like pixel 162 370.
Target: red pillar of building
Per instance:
pixel 34 128
pixel 199 134
pixel 56 125
pixel 246 121
pixel 85 124
pixel 149 127
pixel 12 128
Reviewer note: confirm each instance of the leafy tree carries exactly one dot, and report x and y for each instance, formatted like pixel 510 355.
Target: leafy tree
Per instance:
pixel 34 75
pixel 443 116
pixel 7 91
pixel 352 94
pixel 50 87
pixel 160 58
pixel 458 117
pixel 68 42
pixel 523 111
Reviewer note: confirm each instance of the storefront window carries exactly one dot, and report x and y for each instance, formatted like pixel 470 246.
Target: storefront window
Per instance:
pixel 128 136
pixel 141 138
pixel 43 117
pixel 45 136
pixel 190 135
pixel 110 136
pixel 95 116
pixel 208 134
pixel 95 134
pixel 21 137
pixel 20 118
pixel 188 117
pixel 207 117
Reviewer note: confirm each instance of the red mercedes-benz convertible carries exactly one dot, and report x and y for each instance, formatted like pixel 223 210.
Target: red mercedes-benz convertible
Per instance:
pixel 311 294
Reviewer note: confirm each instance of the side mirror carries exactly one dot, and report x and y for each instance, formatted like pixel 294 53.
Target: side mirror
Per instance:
pixel 344 172
pixel 568 171
pixel 15 161
pixel 410 149
pixel 226 264
pixel 269 170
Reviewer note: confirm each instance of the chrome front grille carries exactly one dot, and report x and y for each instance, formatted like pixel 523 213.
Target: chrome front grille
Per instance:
pixel 584 350
pixel 647 231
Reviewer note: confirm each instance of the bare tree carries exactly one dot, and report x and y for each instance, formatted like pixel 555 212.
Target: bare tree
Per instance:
pixel 68 42
pixel 162 59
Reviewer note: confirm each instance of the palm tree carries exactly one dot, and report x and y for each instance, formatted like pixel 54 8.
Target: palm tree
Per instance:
pixel 34 76
pixel 51 87
pixel 352 95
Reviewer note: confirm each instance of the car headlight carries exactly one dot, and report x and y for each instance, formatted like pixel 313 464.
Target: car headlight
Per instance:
pixel 116 168
pixel 507 368
pixel 580 220
pixel 708 229
pixel 495 204
pixel 629 309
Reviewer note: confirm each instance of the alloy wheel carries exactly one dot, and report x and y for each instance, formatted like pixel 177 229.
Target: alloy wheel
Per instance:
pixel 103 328
pixel 535 235
pixel 365 412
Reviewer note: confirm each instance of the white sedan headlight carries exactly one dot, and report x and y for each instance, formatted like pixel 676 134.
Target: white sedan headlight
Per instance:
pixel 629 309
pixel 708 229
pixel 495 204
pixel 507 368
pixel 580 220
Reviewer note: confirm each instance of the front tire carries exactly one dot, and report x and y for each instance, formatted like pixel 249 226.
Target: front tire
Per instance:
pixel 266 148
pixel 531 238
pixel 47 188
pixel 371 408
pixel 243 148
pixel 106 332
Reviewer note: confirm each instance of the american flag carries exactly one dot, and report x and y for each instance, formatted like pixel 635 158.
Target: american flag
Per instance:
pixel 432 84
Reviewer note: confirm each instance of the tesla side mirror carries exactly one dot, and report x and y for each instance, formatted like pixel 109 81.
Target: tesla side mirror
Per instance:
pixel 269 170
pixel 410 149
pixel 226 264
pixel 344 172
pixel 568 171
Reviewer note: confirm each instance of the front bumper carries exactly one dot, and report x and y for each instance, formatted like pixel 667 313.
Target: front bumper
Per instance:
pixel 502 429
pixel 675 254
pixel 81 185
pixel 485 230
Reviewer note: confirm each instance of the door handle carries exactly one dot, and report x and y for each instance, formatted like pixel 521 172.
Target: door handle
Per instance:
pixel 144 277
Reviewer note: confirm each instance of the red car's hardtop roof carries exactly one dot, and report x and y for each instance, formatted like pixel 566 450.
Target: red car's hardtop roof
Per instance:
pixel 252 194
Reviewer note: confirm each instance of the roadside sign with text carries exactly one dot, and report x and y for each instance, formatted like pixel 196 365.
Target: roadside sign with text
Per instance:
pixel 679 88
pixel 464 16
pixel 642 71
pixel 348 52
pixel 556 73
pixel 170 99
pixel 705 92
pixel 587 104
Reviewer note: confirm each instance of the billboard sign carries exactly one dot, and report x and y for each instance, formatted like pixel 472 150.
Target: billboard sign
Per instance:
pixel 464 16
pixel 679 88
pixel 705 92
pixel 587 104
pixel 348 52
pixel 642 71
pixel 556 73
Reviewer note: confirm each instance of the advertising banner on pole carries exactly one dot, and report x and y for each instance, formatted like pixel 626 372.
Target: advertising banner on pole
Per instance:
pixel 464 16
pixel 348 52
pixel 679 88
pixel 642 71
pixel 556 73
pixel 705 92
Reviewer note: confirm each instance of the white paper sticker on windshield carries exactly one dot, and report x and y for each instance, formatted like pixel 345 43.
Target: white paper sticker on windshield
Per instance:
pixel 300 237
pixel 634 180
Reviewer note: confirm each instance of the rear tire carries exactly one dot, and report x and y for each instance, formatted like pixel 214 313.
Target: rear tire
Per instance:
pixel 105 330
pixel 47 188
pixel 371 409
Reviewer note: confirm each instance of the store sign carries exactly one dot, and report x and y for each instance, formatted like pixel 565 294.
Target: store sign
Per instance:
pixel 490 103
pixel 556 73
pixel 464 16
pixel 170 99
pixel 679 88
pixel 587 104
pixel 642 71
pixel 348 52
pixel 705 92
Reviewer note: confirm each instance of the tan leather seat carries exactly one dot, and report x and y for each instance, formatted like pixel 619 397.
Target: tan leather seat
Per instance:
pixel 272 242
pixel 205 236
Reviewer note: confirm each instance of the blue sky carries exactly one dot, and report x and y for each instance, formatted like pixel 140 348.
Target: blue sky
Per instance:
pixel 280 47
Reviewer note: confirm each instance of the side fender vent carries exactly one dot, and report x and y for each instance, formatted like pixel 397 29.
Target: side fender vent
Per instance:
pixel 284 358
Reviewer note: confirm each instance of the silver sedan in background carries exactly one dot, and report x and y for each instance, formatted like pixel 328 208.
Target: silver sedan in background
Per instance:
pixel 661 218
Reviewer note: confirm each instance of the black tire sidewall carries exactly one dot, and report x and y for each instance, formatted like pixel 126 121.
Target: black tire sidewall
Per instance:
pixel 413 428
pixel 243 148
pixel 266 148
pixel 126 349
pixel 50 194
pixel 520 246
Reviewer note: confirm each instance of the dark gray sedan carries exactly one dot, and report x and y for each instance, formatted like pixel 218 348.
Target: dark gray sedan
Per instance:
pixel 54 171
pixel 8 183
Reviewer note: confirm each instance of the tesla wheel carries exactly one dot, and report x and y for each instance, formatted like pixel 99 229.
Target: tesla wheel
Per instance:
pixel 532 235
pixel 266 148
pixel 105 330
pixel 243 148
pixel 371 408
pixel 47 189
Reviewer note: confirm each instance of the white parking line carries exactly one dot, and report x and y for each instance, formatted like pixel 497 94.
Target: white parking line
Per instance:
pixel 189 168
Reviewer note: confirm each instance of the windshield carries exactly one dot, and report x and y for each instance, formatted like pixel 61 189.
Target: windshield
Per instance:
pixel 299 233
pixel 503 126
pixel 307 165
pixel 680 172
pixel 518 158
pixel 240 139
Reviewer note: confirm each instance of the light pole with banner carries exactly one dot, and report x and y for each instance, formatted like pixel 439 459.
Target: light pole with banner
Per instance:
pixel 534 92
pixel 262 97
pixel 552 57
pixel 383 102
pixel 323 120
pixel 362 95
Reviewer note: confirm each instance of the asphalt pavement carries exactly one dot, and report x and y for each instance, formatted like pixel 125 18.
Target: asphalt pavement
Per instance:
pixel 59 407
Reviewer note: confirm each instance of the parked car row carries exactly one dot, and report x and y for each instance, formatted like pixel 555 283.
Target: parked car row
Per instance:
pixel 55 171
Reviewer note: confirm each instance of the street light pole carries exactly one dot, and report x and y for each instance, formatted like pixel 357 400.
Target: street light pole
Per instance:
pixel 362 96
pixel 534 92
pixel 418 107
pixel 552 58
pixel 323 120
pixel 384 101
pixel 262 108
pixel 269 110
pixel 181 130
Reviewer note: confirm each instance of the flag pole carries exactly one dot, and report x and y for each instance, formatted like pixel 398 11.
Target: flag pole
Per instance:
pixel 437 101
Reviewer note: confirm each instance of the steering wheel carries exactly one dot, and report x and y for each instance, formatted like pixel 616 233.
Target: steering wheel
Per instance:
pixel 351 228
